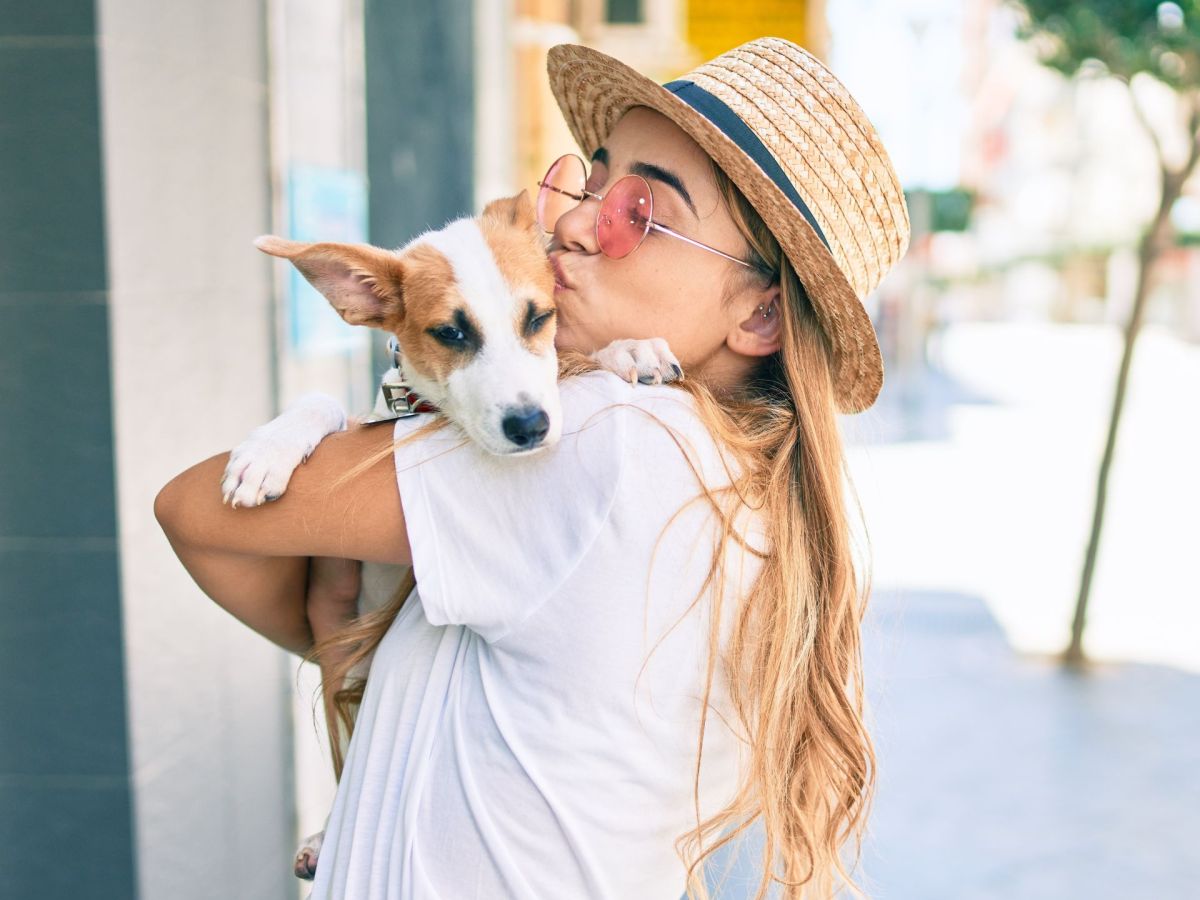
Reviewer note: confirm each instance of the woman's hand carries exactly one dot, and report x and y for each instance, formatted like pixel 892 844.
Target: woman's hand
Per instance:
pixel 331 599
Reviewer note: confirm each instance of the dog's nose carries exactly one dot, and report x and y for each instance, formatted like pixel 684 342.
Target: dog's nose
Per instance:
pixel 525 428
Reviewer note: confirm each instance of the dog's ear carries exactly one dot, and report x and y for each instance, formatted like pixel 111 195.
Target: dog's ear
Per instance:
pixel 363 283
pixel 516 210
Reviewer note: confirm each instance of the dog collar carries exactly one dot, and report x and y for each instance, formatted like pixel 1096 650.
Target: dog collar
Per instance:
pixel 398 395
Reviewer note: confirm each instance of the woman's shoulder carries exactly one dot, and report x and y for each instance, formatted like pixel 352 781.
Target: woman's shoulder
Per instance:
pixel 670 457
pixel 657 425
pixel 607 422
pixel 602 389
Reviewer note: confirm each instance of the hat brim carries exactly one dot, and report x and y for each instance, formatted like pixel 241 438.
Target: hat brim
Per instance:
pixel 594 90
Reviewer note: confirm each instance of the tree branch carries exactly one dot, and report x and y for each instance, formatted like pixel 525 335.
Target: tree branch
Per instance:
pixel 1194 132
pixel 1145 121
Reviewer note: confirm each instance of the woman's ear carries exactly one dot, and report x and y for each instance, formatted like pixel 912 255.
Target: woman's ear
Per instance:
pixel 758 322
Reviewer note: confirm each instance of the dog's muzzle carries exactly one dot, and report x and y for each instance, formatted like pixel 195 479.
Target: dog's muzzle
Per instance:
pixel 526 428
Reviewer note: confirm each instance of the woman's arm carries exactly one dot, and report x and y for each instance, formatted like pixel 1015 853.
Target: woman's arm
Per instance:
pixel 254 561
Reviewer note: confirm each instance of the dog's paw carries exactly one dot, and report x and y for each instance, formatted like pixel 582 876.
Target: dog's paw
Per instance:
pixel 261 466
pixel 305 864
pixel 649 361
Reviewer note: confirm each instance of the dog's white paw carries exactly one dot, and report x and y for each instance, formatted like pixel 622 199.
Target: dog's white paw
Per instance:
pixel 261 466
pixel 305 864
pixel 649 361
pixel 259 470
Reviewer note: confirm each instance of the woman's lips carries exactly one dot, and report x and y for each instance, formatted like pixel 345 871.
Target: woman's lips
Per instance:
pixel 560 280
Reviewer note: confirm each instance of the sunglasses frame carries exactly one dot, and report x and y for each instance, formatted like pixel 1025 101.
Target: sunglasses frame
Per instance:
pixel 650 223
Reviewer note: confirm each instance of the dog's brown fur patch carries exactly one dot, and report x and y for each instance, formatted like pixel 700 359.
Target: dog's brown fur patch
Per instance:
pixel 431 296
pixel 512 234
pixel 363 283
pixel 542 340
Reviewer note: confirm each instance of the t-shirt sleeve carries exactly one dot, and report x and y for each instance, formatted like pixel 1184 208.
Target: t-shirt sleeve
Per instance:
pixel 493 537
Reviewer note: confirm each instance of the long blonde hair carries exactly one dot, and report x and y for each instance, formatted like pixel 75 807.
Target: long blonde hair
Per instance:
pixel 793 659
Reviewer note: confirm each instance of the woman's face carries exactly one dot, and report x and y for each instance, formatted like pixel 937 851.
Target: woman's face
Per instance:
pixel 666 288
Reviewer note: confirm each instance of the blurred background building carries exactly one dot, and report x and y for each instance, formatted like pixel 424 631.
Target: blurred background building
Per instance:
pixel 153 747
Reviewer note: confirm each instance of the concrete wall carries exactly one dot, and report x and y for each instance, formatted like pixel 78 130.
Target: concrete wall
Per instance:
pixel 184 99
pixel 317 119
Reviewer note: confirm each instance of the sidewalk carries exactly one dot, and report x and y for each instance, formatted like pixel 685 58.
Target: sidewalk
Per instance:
pixel 979 477
pixel 1000 774
pixel 1003 777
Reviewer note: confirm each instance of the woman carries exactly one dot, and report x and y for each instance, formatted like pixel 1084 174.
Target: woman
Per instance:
pixel 623 651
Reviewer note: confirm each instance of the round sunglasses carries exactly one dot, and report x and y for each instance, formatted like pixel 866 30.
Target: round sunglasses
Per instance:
pixel 625 214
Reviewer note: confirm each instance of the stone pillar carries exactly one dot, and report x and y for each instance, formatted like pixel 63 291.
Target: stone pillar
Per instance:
pixel 187 188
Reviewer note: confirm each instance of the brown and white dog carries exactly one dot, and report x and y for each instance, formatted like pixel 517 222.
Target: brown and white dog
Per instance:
pixel 471 307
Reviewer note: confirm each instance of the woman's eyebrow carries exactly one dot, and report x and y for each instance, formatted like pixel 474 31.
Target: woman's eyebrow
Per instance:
pixel 651 171
pixel 667 177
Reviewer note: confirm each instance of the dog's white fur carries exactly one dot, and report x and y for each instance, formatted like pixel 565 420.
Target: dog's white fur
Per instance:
pixel 503 377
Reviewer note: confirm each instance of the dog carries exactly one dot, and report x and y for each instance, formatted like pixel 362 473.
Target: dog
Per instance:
pixel 470 308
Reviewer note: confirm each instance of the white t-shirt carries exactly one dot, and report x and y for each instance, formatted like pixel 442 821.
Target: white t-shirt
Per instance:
pixel 499 752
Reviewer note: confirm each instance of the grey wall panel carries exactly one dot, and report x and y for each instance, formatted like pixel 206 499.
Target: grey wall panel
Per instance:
pixel 51 212
pixel 56 453
pixel 60 661
pixel 420 115
pixel 50 828
pixel 420 119
pixel 64 759
pixel 60 19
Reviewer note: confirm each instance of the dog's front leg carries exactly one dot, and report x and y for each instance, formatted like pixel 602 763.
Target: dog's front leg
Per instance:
pixel 648 360
pixel 260 467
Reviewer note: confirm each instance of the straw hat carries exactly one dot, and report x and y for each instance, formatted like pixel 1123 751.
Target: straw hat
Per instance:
pixel 799 147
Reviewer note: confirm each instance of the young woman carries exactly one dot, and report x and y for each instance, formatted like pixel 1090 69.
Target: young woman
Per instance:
pixel 623 651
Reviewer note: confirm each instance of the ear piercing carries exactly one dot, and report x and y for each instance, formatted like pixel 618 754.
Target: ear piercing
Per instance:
pixel 767 310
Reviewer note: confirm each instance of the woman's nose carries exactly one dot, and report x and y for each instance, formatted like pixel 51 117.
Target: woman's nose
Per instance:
pixel 576 228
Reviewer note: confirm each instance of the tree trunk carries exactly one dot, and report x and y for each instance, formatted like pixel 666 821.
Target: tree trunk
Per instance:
pixel 1149 249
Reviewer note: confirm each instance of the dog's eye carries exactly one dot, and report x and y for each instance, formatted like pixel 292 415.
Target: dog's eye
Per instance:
pixel 448 334
pixel 536 323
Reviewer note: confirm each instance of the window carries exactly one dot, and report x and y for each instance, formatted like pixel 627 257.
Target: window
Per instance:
pixel 622 12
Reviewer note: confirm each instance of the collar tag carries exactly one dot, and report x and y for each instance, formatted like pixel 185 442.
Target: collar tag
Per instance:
pixel 399 398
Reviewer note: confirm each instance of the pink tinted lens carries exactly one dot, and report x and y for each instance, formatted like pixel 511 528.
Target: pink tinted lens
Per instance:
pixel 624 216
pixel 561 190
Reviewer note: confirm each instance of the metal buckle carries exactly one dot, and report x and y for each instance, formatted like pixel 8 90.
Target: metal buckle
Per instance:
pixel 395 397
pixel 395 393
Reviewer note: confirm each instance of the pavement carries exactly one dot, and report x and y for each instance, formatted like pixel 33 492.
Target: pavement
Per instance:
pixel 1002 775
pixel 978 476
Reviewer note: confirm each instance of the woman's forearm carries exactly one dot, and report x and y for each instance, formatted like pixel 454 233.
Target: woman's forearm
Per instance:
pixel 265 592
pixel 254 561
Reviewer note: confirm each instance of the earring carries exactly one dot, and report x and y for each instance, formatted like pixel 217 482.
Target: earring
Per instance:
pixel 767 311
